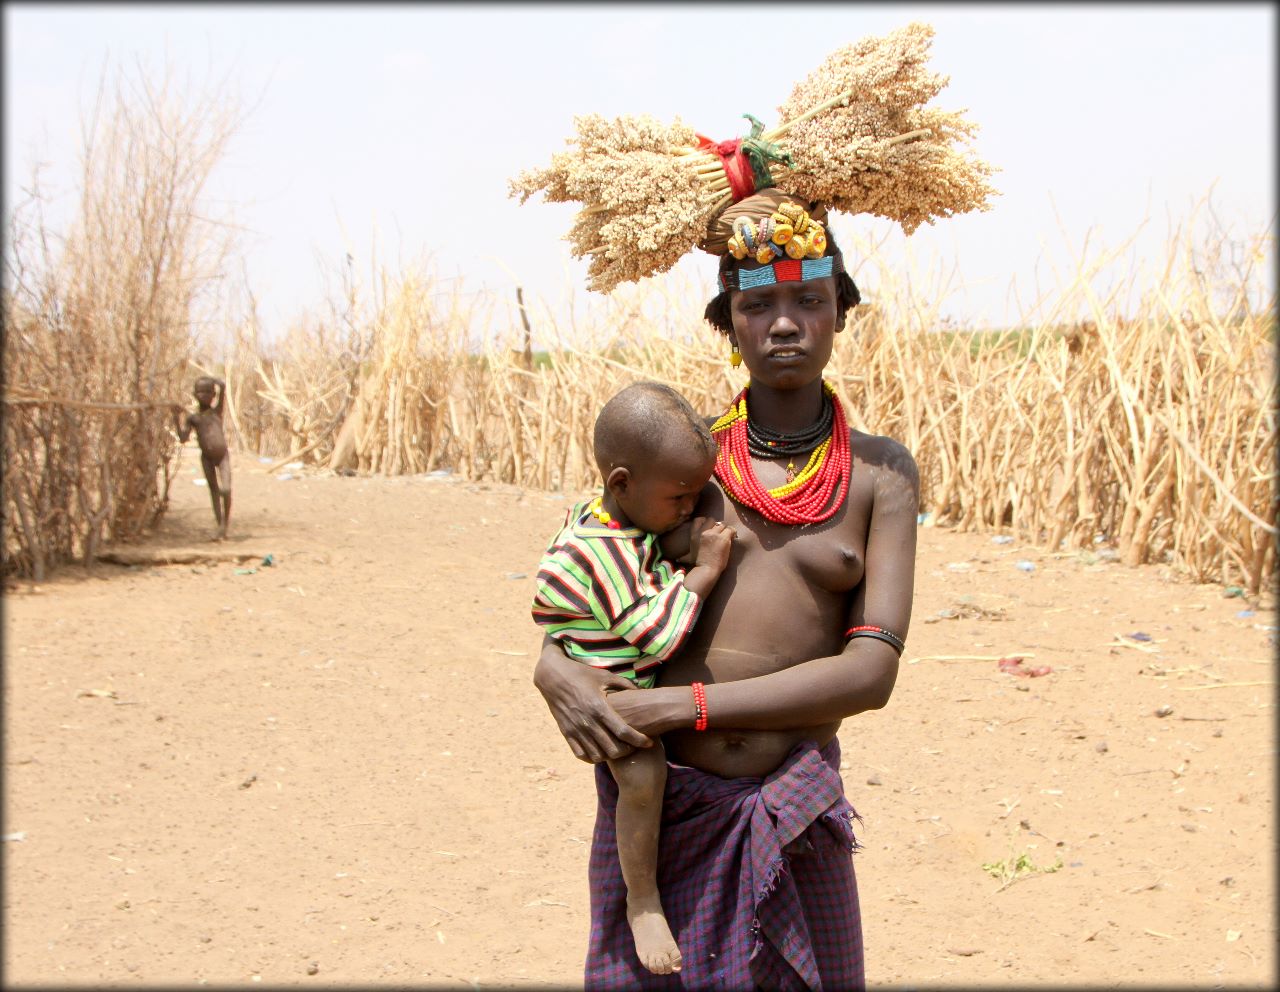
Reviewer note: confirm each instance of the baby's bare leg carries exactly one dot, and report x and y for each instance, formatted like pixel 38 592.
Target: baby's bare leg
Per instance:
pixel 224 490
pixel 211 479
pixel 226 511
pixel 641 778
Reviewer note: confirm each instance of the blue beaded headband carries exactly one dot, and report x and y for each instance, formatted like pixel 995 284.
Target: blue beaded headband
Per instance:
pixel 785 270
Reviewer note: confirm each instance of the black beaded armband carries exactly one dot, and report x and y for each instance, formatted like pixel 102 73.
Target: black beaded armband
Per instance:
pixel 879 633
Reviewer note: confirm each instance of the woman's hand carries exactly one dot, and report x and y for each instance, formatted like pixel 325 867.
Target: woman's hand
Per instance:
pixel 575 694
pixel 655 711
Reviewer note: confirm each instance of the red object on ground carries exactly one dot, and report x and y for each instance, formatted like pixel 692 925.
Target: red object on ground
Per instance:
pixel 1013 666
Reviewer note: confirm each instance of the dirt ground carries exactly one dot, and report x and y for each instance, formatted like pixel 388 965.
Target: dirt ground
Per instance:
pixel 332 769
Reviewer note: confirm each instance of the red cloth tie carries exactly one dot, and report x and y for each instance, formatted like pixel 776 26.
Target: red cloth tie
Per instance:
pixel 737 167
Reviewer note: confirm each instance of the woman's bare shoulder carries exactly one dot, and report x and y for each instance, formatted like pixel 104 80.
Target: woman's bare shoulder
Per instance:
pixel 876 449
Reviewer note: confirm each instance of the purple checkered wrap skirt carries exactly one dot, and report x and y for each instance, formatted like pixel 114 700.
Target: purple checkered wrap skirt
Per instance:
pixel 756 877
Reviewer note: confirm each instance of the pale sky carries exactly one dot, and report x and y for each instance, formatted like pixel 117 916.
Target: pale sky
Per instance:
pixel 406 120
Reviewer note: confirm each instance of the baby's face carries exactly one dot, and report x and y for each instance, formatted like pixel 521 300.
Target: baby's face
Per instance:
pixel 204 393
pixel 663 496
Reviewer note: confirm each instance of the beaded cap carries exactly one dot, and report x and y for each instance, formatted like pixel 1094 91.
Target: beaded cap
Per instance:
pixel 781 235
pixel 788 230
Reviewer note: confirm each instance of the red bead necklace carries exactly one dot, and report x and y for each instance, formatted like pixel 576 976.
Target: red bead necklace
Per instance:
pixel 815 494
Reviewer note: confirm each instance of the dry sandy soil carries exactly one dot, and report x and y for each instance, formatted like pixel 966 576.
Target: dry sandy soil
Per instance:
pixel 333 770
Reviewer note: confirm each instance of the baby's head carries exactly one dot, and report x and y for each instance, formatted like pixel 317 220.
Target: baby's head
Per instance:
pixel 655 454
pixel 204 389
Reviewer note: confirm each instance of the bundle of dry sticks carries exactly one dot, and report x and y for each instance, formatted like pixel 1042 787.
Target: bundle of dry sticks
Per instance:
pixel 856 135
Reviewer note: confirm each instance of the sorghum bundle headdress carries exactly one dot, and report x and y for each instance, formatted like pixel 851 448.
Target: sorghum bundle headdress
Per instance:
pixel 856 135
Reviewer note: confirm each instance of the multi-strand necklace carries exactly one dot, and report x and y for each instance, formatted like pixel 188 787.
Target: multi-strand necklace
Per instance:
pixel 810 496
pixel 765 443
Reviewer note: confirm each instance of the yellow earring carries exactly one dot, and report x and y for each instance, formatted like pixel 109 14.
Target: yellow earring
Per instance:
pixel 735 357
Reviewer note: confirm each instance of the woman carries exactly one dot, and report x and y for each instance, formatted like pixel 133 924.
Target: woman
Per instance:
pixel 804 629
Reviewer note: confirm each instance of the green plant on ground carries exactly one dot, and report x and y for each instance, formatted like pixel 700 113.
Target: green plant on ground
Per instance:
pixel 1011 869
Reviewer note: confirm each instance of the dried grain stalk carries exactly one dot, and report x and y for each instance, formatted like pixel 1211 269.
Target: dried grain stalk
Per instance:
pixel 857 135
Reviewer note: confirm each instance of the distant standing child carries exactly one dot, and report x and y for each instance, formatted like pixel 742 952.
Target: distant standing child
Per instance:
pixel 214 456
pixel 607 594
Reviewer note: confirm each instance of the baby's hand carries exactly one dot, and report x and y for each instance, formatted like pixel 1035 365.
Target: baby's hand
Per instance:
pixel 689 532
pixel 713 542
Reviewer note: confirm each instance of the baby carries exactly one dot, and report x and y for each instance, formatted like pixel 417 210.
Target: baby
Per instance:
pixel 607 594
pixel 214 457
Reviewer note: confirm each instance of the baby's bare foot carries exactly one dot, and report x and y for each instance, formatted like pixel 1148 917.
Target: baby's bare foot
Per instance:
pixel 655 946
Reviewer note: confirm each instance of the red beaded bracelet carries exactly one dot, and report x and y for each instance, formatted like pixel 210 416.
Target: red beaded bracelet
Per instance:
pixel 879 633
pixel 699 706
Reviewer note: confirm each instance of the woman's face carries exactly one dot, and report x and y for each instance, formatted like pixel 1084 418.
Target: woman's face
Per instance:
pixel 785 331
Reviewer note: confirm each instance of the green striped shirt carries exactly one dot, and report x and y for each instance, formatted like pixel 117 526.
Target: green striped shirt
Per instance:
pixel 611 598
